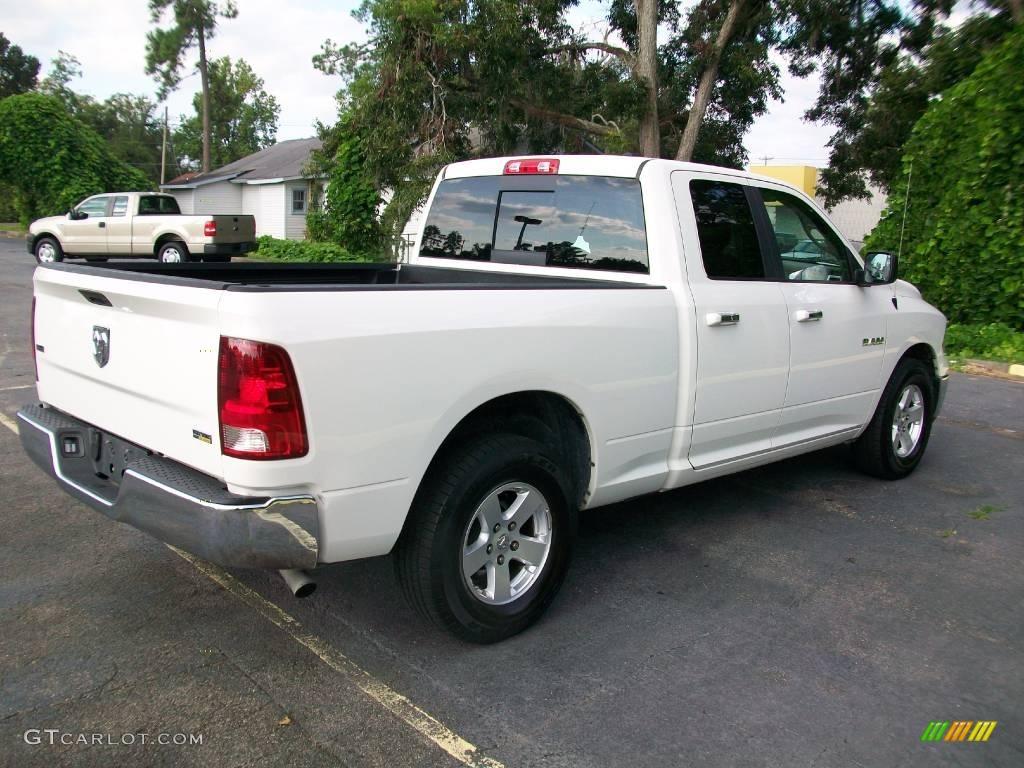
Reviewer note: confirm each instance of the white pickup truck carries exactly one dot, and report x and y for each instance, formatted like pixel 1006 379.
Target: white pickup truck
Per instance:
pixel 139 224
pixel 571 332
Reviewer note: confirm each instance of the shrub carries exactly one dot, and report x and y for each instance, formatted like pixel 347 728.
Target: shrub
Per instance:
pixel 52 160
pixel 274 249
pixel 963 244
pixel 992 341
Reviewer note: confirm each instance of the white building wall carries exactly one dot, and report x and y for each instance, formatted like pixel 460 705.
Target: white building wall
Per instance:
pixel 295 223
pixel 184 198
pixel 856 218
pixel 220 197
pixel 268 208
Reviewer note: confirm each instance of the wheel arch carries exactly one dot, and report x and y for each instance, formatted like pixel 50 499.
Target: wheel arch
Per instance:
pixel 541 415
pixel 167 237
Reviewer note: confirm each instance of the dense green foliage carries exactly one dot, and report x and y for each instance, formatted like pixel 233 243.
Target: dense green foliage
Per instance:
pixel 243 117
pixel 348 213
pixel 53 160
pixel 18 71
pixel 274 249
pixel 445 81
pixel 992 341
pixel 129 123
pixel 963 241
pixel 874 128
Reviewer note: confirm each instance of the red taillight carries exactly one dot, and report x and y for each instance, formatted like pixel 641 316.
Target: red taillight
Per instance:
pixel 210 228
pixel 532 165
pixel 35 362
pixel 258 400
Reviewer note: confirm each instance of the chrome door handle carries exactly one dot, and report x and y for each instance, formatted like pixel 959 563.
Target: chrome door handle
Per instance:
pixel 808 315
pixel 722 318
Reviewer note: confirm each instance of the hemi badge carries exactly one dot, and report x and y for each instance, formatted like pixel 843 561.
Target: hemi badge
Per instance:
pixel 202 437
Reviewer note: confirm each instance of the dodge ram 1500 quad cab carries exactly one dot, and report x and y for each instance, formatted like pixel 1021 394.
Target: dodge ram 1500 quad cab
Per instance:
pixel 570 332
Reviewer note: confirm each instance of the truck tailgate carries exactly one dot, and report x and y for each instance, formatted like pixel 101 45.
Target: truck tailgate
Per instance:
pixel 234 229
pixel 134 358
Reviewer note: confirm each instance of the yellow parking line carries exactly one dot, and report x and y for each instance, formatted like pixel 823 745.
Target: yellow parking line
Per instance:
pixel 397 704
pixel 405 710
pixel 10 424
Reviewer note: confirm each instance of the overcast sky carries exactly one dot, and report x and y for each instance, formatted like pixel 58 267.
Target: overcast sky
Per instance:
pixel 279 40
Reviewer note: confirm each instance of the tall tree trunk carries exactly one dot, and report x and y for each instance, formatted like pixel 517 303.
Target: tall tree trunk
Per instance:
pixel 1017 11
pixel 707 83
pixel 204 76
pixel 647 70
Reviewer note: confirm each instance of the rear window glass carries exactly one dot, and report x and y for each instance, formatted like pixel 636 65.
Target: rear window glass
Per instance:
pixel 157 204
pixel 581 222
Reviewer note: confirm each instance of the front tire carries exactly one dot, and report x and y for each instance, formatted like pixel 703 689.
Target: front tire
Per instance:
pixel 173 252
pixel 489 538
pixel 896 438
pixel 48 251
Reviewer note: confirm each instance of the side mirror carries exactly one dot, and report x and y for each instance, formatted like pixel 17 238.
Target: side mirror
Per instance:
pixel 879 269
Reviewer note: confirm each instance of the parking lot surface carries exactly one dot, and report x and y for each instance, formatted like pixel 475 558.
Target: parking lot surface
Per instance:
pixel 795 615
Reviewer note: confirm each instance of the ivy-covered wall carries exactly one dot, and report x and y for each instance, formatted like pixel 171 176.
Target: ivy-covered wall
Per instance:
pixel 963 242
pixel 52 160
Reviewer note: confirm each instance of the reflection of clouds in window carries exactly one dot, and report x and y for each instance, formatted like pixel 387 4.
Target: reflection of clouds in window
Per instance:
pixel 607 213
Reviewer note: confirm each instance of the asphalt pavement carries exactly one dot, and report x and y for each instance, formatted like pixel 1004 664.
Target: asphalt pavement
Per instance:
pixel 799 614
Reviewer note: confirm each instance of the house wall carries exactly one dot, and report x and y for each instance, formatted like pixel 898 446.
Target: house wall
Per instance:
pixel 220 197
pixel 266 203
pixel 184 198
pixel 295 223
pixel 856 218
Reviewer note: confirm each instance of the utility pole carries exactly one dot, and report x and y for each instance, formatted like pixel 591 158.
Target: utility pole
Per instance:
pixel 765 159
pixel 163 152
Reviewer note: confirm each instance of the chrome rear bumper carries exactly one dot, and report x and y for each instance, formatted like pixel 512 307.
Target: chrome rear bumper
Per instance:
pixel 172 502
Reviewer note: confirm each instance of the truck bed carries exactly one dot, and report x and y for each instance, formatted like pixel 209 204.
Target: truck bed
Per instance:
pixel 363 276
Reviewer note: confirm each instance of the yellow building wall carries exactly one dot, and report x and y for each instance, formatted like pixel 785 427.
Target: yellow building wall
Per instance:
pixel 803 177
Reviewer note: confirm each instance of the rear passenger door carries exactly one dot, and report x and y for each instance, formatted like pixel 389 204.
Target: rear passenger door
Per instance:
pixel 741 318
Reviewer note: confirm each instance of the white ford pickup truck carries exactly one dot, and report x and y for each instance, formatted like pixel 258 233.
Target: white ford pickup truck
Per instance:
pixel 571 332
pixel 142 225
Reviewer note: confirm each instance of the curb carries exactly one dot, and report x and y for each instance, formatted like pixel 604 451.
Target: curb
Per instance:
pixel 992 368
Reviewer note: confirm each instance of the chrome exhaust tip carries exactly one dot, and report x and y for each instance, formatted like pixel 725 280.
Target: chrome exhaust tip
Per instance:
pixel 299 582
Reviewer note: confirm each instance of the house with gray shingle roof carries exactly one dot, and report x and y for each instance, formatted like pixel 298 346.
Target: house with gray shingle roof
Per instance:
pixel 271 185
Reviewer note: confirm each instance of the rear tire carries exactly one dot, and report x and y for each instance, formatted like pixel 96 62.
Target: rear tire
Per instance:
pixel 481 517
pixel 48 251
pixel 173 252
pixel 896 438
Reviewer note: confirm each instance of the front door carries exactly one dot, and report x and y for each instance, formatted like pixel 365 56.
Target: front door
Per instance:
pixel 837 328
pixel 87 235
pixel 741 319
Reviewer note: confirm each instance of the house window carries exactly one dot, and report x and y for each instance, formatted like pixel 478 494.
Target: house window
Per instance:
pixel 298 201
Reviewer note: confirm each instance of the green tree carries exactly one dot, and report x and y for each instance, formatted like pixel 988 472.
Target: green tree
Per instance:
pixel 440 81
pixel 243 116
pixel 53 160
pixel 962 239
pixel 348 214
pixel 18 70
pixel 127 122
pixel 874 127
pixel 194 22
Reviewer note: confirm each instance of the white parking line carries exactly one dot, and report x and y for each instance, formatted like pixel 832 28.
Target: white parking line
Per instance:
pixel 405 710
pixel 10 424
pixel 20 386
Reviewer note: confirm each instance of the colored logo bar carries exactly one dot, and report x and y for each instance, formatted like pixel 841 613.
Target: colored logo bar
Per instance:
pixel 958 730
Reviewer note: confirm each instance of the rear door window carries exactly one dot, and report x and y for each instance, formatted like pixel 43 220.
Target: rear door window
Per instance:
pixel 579 222
pixel 729 245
